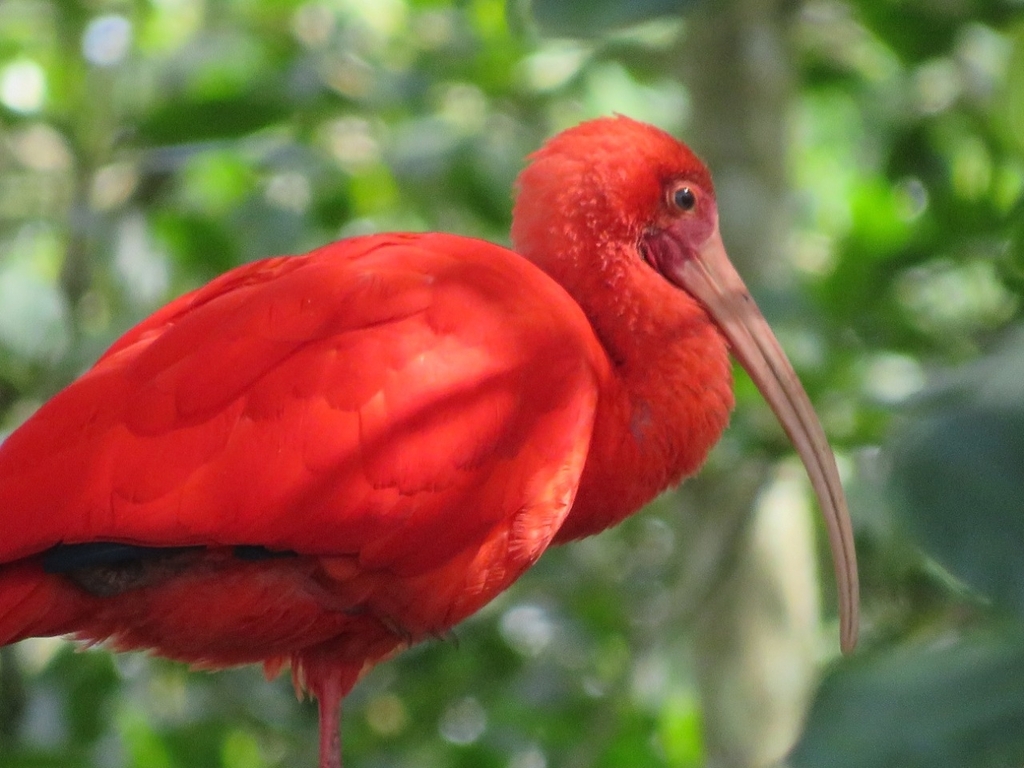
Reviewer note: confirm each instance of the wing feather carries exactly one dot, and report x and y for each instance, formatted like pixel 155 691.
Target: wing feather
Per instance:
pixel 392 397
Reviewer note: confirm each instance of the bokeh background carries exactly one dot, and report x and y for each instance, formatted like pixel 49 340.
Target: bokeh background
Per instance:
pixel 869 159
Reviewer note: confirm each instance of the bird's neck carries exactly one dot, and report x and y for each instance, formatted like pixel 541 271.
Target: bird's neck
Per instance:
pixel 664 401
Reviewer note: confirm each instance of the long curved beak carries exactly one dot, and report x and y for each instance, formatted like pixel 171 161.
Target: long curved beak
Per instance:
pixel 710 277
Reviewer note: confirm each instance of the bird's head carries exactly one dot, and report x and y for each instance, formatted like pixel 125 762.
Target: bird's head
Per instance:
pixel 607 188
pixel 618 211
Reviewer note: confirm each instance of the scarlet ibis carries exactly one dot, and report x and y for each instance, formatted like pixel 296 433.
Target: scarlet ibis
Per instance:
pixel 319 460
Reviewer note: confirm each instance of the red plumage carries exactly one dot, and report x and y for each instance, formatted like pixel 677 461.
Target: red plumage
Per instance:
pixel 410 420
pixel 334 404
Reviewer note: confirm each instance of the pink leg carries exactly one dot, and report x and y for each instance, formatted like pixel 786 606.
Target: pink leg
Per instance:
pixel 330 695
pixel 330 682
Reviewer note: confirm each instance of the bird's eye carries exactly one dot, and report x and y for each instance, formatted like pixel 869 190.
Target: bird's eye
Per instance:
pixel 684 199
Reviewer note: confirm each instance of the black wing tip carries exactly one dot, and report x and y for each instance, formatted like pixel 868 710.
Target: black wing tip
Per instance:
pixel 64 558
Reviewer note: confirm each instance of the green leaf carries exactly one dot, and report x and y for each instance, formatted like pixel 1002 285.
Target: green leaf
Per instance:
pixel 590 18
pixel 958 474
pixel 942 706
pixel 179 122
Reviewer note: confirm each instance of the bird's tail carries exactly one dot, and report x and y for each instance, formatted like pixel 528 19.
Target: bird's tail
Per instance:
pixel 36 604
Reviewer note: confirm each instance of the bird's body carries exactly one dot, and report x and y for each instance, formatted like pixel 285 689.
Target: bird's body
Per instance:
pixel 319 460
pixel 336 406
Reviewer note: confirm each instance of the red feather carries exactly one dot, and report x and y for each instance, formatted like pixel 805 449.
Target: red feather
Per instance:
pixel 411 419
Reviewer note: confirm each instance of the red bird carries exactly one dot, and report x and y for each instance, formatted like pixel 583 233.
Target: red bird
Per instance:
pixel 319 460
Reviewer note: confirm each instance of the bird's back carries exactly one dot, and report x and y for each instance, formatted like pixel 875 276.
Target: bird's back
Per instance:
pixel 396 423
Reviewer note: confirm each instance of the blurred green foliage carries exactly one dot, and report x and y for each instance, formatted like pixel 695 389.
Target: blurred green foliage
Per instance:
pixel 148 145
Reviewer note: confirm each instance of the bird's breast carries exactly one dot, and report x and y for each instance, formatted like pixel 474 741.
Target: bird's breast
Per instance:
pixel 655 425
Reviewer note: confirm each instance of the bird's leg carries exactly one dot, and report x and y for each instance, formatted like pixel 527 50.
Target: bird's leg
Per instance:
pixel 330 682
pixel 329 700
